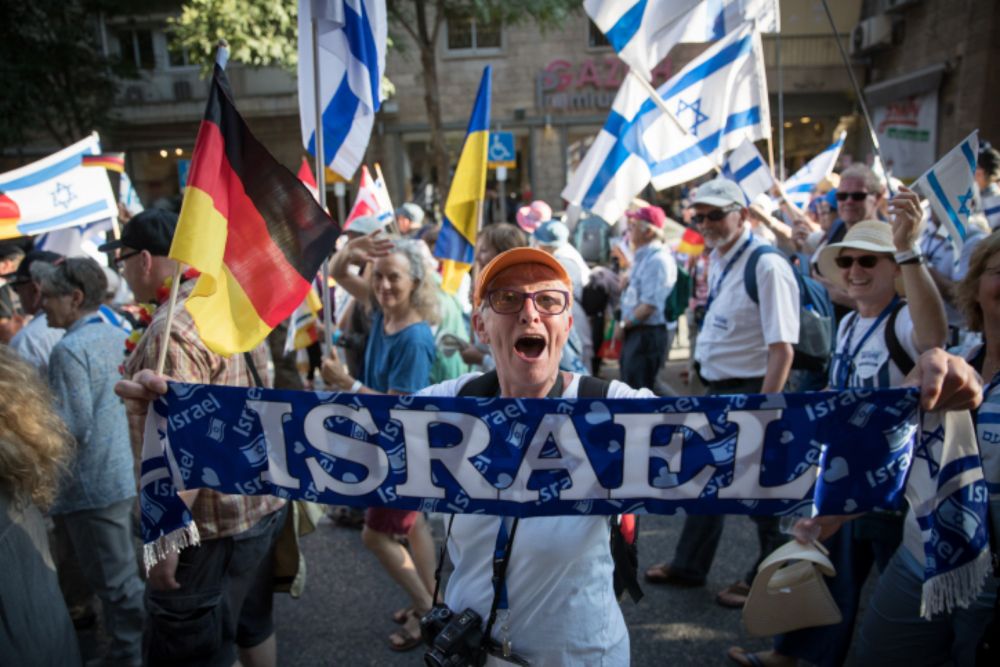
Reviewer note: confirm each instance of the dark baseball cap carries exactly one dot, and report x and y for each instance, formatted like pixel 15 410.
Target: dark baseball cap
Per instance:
pixel 152 230
pixel 23 273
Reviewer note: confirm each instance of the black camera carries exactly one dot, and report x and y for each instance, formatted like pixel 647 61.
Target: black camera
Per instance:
pixel 455 640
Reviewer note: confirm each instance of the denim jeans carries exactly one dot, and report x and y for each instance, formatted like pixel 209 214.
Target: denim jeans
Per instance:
pixel 643 353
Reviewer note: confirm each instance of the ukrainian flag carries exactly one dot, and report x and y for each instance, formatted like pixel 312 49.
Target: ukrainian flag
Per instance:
pixel 457 241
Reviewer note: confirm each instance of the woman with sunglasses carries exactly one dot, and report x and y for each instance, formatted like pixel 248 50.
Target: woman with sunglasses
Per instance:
pixel 876 264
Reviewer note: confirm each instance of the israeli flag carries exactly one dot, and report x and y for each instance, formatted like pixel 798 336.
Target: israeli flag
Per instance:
pixel 352 39
pixel 720 98
pixel 991 209
pixel 128 196
pixel 747 168
pixel 642 32
pixel 55 192
pixel 800 185
pixel 949 187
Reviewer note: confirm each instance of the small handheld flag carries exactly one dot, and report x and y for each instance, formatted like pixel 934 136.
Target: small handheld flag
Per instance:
pixel 948 185
pixel 110 161
pixel 800 185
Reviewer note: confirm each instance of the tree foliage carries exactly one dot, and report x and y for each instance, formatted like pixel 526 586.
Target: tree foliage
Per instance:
pixel 259 32
pixel 55 79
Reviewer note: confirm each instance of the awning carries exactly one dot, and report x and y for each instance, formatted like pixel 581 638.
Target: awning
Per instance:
pixel 921 81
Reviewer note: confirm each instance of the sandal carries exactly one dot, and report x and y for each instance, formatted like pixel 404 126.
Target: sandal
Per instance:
pixel 762 659
pixel 664 574
pixel 733 596
pixel 400 616
pixel 402 640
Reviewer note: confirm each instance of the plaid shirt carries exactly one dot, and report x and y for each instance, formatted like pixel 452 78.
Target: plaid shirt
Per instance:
pixel 188 360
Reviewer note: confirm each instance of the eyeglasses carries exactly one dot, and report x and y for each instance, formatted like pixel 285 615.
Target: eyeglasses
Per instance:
pixel 120 259
pixel 715 216
pixel 864 261
pixel 547 301
pixel 854 196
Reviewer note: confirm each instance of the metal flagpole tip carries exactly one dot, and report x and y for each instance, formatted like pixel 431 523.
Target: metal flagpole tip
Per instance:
pixel 222 53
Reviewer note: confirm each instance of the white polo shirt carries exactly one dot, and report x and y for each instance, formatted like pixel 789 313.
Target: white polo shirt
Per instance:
pixel 733 340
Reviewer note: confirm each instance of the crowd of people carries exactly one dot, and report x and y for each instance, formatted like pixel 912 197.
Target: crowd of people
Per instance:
pixel 549 304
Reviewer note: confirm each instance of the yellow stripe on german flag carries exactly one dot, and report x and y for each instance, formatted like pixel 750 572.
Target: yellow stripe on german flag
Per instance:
pixel 250 227
pixel 110 161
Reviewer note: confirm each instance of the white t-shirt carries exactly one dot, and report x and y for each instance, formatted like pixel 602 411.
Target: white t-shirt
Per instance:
pixel 562 606
pixel 872 366
pixel 733 341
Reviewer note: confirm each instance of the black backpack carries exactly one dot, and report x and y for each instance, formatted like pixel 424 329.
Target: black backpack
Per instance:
pixel 897 353
pixel 624 552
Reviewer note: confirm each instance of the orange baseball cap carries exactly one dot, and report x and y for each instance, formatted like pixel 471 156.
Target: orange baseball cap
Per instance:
pixel 516 257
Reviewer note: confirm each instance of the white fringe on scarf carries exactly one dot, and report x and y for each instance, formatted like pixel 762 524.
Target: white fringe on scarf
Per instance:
pixel 955 589
pixel 173 542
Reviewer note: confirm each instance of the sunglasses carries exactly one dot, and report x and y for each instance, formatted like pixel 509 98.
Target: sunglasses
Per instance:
pixel 715 216
pixel 120 259
pixel 547 301
pixel 854 196
pixel 864 261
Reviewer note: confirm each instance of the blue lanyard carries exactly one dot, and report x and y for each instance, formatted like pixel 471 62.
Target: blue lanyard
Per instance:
pixel 714 291
pixel 500 554
pixel 845 362
pixel 931 252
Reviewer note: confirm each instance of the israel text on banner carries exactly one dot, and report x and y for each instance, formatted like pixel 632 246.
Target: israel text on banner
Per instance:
pixel 642 32
pixel 746 166
pixel 720 98
pixel 779 454
pixel 251 228
pixel 352 41
pixel 372 200
pixel 800 185
pixel 456 243
pixel 55 192
pixel 949 186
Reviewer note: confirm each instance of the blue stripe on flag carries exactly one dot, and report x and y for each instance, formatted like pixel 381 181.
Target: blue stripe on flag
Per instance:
pixel 717 30
pixel 615 123
pixel 612 162
pixel 943 199
pixel 967 152
pixel 45 174
pixel 720 60
pixel 362 44
pixel 747 169
pixel 992 211
pixel 338 117
pixel 63 219
pixel 709 144
pixel 624 29
pixel 452 245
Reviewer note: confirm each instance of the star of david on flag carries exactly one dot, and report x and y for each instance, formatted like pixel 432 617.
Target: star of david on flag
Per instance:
pixel 948 186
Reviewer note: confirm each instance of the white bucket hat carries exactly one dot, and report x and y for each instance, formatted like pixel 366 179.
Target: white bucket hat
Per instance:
pixel 871 235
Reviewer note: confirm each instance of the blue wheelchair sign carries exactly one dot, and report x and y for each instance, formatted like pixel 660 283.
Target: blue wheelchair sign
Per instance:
pixel 501 150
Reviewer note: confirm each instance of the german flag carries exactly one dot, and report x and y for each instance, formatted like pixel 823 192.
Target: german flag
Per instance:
pixel 249 226
pixel 110 161
pixel 692 243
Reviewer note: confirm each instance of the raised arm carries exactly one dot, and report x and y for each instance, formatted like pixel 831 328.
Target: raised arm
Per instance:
pixel 930 325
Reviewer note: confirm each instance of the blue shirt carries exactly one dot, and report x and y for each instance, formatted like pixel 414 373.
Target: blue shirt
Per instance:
pixel 83 370
pixel 399 362
pixel 651 280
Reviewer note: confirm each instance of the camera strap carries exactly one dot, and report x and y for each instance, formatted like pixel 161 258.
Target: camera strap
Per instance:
pixel 501 557
pixel 437 570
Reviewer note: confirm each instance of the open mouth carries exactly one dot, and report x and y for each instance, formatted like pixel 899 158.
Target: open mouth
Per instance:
pixel 530 346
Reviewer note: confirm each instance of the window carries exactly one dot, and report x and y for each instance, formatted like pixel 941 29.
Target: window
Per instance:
pixel 136 48
pixel 177 55
pixel 466 33
pixel 595 38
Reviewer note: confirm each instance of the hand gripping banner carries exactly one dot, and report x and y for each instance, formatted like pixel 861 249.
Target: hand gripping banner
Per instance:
pixel 827 453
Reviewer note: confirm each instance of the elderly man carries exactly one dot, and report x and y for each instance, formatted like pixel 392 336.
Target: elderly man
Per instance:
pixel 522 311
pixel 650 281
pixel 410 219
pixel 743 347
pixel 221 588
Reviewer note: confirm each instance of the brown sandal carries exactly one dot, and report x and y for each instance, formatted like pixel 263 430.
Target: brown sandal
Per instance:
pixel 400 615
pixel 733 596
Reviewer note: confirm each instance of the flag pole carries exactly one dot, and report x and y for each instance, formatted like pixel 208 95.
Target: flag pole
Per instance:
pixel 781 108
pixel 665 109
pixel 221 58
pixel 861 97
pixel 321 184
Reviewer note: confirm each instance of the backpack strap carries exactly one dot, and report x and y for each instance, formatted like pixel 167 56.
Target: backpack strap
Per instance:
pixel 592 387
pixel 897 353
pixel 750 270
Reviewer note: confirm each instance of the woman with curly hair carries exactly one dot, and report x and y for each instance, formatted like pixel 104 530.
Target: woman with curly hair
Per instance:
pixel 34 446
pixel 399 355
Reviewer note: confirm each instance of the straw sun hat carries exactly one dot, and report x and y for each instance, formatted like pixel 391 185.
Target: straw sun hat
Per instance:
pixel 872 235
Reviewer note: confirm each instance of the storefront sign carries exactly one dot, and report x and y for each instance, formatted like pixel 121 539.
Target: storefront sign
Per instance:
pixel 907 134
pixel 590 84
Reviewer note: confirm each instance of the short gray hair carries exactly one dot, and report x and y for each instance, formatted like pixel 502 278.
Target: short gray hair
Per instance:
pixel 72 273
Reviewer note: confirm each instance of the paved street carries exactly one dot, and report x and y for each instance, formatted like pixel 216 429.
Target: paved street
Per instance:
pixel 343 617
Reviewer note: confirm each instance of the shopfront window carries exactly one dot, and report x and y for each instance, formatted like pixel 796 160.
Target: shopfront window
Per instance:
pixel 468 34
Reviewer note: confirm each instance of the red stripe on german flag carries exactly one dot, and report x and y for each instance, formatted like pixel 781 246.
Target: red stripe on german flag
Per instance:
pixel 250 227
pixel 110 161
